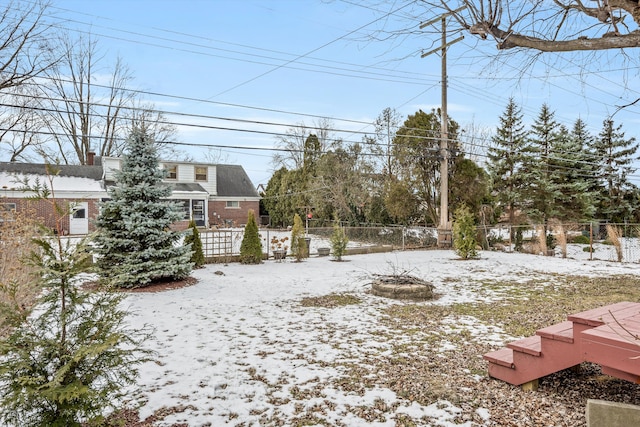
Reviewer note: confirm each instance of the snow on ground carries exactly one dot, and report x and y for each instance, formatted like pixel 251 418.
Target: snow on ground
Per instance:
pixel 238 348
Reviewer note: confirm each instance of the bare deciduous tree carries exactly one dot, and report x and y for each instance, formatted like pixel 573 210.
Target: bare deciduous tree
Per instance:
pixel 293 142
pixel 25 52
pixel 20 124
pixel 83 114
pixel 551 26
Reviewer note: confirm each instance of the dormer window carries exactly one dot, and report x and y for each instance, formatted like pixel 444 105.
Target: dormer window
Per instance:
pixel 172 171
pixel 201 173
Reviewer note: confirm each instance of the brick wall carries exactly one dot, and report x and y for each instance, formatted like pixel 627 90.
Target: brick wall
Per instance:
pixel 43 211
pixel 234 216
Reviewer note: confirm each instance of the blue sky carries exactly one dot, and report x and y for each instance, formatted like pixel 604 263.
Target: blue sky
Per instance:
pixel 292 61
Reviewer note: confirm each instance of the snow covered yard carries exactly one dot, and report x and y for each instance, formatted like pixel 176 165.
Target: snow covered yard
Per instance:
pixel 289 344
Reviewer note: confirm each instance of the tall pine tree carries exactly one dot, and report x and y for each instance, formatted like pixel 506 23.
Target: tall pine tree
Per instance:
pixel 541 190
pixel 135 243
pixel 506 158
pixel 615 156
pixel 570 172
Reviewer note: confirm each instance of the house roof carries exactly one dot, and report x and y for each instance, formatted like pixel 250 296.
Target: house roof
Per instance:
pixel 77 171
pixel 233 181
pixel 183 187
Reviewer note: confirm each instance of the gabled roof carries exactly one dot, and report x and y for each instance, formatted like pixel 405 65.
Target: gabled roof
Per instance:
pixel 233 181
pixel 77 171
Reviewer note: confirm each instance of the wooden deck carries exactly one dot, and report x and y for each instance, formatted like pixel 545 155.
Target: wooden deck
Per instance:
pixel 608 336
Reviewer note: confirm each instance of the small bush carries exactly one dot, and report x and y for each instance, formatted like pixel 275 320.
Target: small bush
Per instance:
pixel 339 241
pixel 588 249
pixel 581 239
pixel 464 234
pixel 518 240
pixel 298 243
pixel 193 238
pixel 251 246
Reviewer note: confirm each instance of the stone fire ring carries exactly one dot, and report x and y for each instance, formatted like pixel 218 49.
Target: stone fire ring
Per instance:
pixel 402 287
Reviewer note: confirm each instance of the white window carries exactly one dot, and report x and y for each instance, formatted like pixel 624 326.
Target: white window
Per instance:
pixel 233 204
pixel 201 173
pixel 7 211
pixel 172 171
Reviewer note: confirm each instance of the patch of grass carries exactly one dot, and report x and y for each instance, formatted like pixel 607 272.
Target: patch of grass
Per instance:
pixel 330 301
pixel 529 306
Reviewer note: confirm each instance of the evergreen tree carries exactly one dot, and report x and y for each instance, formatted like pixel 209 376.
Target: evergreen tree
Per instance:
pixel 192 239
pixel 298 243
pixel 541 191
pixel 464 233
pixel 135 243
pixel 505 159
pixel 339 241
pixel 251 246
pixel 570 172
pixel 68 362
pixel 615 156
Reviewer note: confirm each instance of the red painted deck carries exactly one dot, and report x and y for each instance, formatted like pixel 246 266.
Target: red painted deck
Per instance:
pixel 608 336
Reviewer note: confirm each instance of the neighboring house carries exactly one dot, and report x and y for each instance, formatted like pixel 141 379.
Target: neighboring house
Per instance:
pixel 213 195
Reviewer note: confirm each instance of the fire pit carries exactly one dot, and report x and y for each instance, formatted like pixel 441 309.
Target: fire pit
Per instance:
pixel 402 286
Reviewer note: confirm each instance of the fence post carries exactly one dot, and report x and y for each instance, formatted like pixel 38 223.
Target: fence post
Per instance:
pixel 591 241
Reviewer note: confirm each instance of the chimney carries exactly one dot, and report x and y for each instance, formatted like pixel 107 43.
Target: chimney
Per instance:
pixel 90 156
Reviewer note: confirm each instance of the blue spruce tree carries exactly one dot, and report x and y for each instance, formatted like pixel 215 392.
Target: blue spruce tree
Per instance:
pixel 135 243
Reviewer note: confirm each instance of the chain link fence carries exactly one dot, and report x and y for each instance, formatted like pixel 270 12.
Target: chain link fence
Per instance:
pixel 590 241
pixel 225 243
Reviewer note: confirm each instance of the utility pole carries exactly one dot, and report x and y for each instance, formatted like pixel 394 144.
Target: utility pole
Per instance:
pixel 444 228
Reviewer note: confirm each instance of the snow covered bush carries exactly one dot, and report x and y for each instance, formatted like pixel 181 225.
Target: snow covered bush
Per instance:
pixel 134 240
pixel 464 233
pixel 251 247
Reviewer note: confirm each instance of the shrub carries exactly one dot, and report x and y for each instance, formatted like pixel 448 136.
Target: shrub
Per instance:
pixel 581 239
pixel 551 241
pixel 518 241
pixel 19 285
pixel 251 246
pixel 298 243
pixel 193 238
pixel 339 241
pixel 464 234
pixel 614 236
pixel 69 361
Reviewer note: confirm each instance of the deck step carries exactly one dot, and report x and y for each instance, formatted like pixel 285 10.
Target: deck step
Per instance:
pixel 559 332
pixel 502 357
pixel 530 345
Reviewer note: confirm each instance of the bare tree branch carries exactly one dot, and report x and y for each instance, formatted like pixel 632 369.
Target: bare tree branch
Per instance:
pixel 25 52
pixel 558 26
